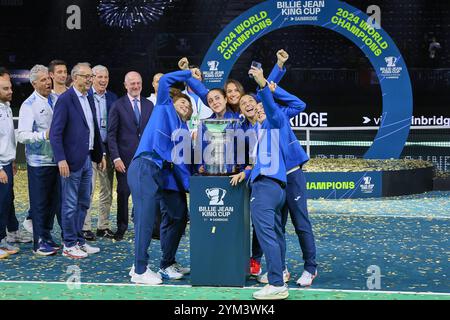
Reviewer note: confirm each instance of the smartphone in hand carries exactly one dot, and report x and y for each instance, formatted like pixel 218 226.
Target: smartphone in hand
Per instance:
pixel 256 65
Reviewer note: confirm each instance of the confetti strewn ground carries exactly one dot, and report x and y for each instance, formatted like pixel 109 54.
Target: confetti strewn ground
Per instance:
pixel 406 237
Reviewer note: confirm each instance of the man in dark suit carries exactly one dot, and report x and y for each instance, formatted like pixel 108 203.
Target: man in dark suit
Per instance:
pixel 103 102
pixel 75 140
pixel 126 123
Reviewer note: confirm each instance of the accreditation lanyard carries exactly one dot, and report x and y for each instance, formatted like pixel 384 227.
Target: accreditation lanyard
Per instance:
pixel 102 108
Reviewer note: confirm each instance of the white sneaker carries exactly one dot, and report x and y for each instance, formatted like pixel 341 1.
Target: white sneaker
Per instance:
pixel 74 252
pixel 5 246
pixel 89 249
pixel 3 254
pixel 28 225
pixel 306 279
pixel 18 237
pixel 148 277
pixel 133 272
pixel 170 273
pixel 181 269
pixel 270 292
pixel 264 278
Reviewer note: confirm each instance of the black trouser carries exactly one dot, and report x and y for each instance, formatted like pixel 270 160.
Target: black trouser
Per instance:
pixel 123 194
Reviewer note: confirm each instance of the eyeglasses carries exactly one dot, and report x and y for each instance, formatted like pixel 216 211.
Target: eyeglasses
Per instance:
pixel 86 76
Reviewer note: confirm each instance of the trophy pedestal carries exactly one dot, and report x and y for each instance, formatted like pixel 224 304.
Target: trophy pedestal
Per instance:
pixel 219 232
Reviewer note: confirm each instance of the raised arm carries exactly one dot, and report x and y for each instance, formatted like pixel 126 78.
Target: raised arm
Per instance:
pixel 194 83
pixel 279 69
pixel 275 117
pixel 199 89
pixel 167 81
pixel 292 105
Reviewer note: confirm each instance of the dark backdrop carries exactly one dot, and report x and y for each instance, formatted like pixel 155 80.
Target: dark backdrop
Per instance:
pixel 325 69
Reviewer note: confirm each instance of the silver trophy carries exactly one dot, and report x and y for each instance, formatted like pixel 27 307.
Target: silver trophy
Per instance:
pixel 218 139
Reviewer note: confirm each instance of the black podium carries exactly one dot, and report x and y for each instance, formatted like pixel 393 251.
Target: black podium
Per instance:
pixel 220 232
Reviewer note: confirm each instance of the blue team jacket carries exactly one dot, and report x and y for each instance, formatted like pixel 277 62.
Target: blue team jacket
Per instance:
pixel 291 106
pixel 156 141
pixel 271 156
pixel 296 155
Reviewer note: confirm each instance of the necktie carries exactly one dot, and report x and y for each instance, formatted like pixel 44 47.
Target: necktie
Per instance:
pixel 137 114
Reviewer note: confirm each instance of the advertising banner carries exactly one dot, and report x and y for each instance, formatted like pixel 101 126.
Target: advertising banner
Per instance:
pixel 343 185
pixel 348 21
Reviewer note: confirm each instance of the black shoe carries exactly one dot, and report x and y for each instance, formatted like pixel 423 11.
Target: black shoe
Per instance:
pixel 118 236
pixel 105 233
pixel 89 235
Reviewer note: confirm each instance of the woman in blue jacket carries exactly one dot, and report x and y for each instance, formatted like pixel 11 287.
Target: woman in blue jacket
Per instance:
pixel 268 176
pixel 215 98
pixel 296 200
pixel 145 174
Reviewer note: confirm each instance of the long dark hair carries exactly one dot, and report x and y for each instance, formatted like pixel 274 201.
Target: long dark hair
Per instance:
pixel 240 87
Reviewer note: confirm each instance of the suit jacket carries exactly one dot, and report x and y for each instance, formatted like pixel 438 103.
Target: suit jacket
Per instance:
pixel 124 133
pixel 69 132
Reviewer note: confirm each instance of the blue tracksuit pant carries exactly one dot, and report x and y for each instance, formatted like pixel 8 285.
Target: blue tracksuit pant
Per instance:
pixel 6 199
pixel 44 187
pixel 297 206
pixel 174 214
pixel 146 182
pixel 267 221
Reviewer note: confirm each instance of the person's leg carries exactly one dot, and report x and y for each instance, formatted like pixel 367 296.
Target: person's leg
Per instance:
pixel 39 203
pixel 84 198
pixel 5 201
pixel 283 221
pixel 105 196
pixel 264 214
pixel 32 203
pixel 257 252
pixel 297 202
pixel 145 181
pixel 87 226
pixel 53 187
pixel 13 223
pixel 173 223
pixel 123 193
pixel 56 200
pixel 280 232
pixel 156 235
pixel 69 207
